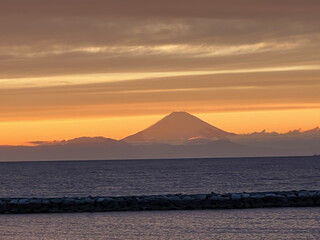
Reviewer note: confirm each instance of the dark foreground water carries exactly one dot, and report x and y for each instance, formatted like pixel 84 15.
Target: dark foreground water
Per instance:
pixel 144 177
pixel 249 224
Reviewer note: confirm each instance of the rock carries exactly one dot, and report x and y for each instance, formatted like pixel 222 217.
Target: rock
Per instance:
pixel 282 197
pixel 257 196
pixel 68 202
pixel 161 202
pixel 222 198
pixel 13 206
pixel 89 201
pixel 173 198
pixel 292 196
pixel 201 197
pixel 45 205
pixel 100 200
pixel 23 201
pixel 3 207
pixel 235 196
pixel 80 201
pixel 245 195
pixel 188 198
pixel 34 205
pixel 14 202
pixel 312 193
pixel 56 200
pixel 2 203
pixel 270 195
pixel 303 195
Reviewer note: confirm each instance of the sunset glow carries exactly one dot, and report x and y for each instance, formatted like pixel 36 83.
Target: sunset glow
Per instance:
pixel 23 132
pixel 111 70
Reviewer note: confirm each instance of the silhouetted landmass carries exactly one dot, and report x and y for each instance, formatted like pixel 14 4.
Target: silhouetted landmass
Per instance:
pixel 178 135
pixel 176 128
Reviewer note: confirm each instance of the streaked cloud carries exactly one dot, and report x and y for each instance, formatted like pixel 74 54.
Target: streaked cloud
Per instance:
pixel 41 39
pixel 131 76
pixel 199 93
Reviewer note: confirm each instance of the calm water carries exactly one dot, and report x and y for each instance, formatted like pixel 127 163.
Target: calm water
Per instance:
pixel 251 224
pixel 139 177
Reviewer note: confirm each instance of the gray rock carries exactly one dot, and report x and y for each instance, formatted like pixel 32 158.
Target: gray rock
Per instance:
pixel 292 196
pixel 68 202
pixel 56 200
pixel 162 198
pixel 3 206
pixel 200 196
pixel 235 196
pixel 188 198
pixel 35 203
pixel 219 198
pixel 173 198
pixel 270 195
pixel 2 203
pixel 303 195
pixel 100 200
pixel 257 196
pixel 80 201
pixel 281 197
pixel 23 201
pixel 245 195
pixel 89 201
pixel 14 202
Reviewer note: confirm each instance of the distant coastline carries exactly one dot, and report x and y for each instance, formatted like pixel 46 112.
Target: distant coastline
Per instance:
pixel 159 159
pixel 177 135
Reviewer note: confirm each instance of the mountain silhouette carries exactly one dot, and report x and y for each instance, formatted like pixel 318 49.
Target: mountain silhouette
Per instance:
pixel 178 127
pixel 178 135
pixel 82 141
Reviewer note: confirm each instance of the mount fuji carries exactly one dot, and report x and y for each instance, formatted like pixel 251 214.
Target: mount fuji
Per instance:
pixel 178 127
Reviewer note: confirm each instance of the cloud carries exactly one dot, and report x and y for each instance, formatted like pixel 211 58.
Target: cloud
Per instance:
pixel 202 93
pixel 80 41
pixel 158 59
pixel 165 8
pixel 42 38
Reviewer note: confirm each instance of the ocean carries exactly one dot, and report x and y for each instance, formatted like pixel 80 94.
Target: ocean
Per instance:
pixel 148 177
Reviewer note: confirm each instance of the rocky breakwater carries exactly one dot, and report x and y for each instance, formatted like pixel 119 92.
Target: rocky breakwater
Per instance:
pixel 161 202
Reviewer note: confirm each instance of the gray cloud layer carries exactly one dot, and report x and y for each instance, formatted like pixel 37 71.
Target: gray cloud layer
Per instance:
pixel 45 38
pixel 165 8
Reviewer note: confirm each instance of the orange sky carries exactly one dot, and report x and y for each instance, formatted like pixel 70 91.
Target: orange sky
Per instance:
pixel 111 69
pixel 21 132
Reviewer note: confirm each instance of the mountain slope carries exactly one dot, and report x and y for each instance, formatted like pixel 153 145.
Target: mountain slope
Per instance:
pixel 83 148
pixel 178 127
pixel 82 141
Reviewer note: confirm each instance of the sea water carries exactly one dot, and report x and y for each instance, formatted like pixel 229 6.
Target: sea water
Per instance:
pixel 147 177
pixel 248 224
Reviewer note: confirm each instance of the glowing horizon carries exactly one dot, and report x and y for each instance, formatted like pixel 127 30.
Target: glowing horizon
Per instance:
pixel 65 129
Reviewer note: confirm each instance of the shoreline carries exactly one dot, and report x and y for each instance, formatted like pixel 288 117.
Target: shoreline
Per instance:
pixel 244 200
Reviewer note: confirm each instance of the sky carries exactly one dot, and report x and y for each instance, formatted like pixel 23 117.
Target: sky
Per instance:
pixel 113 67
